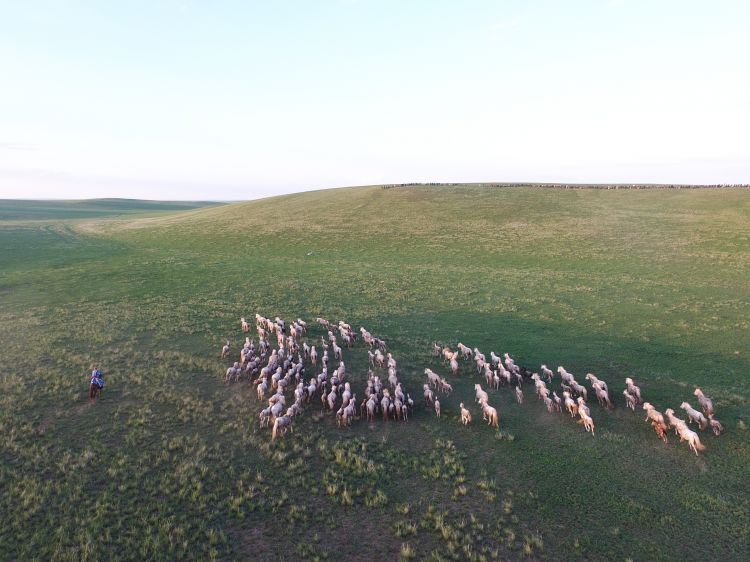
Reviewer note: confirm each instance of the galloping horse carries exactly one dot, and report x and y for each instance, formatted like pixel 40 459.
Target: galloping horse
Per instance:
pixel 94 390
pixel 96 384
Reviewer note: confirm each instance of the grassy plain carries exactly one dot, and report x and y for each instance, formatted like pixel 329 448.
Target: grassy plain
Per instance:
pixel 170 464
pixel 30 209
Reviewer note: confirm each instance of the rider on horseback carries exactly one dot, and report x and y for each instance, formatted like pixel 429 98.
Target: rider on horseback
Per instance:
pixel 97 378
pixel 96 384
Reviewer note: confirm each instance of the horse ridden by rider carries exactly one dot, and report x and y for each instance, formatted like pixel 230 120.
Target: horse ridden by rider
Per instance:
pixel 96 384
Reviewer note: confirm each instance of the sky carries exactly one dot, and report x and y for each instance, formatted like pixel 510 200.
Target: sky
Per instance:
pixel 231 100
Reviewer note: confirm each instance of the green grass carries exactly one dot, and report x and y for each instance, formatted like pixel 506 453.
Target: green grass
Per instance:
pixel 170 464
pixel 22 209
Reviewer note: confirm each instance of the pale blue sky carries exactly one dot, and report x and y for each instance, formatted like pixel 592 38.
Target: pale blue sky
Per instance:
pixel 180 99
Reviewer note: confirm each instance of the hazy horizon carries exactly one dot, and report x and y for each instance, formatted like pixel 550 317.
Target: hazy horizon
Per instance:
pixel 179 100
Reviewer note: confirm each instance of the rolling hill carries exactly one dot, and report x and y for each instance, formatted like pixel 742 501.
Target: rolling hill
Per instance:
pixel 29 209
pixel 171 462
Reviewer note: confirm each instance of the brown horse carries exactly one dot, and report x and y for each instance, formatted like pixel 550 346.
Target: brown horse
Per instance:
pixel 94 391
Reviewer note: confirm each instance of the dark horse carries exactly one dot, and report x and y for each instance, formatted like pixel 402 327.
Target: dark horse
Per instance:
pixel 94 391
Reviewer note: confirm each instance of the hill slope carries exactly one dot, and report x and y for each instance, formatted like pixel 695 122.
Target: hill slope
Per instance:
pixel 26 209
pixel 171 463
